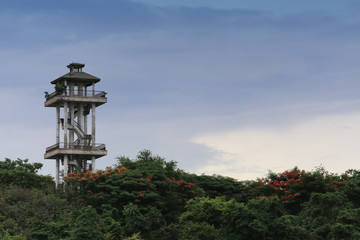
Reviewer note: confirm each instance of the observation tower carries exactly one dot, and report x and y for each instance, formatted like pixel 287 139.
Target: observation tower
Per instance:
pixel 75 100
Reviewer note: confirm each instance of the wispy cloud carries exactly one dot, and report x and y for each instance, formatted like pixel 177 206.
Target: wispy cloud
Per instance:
pixel 330 141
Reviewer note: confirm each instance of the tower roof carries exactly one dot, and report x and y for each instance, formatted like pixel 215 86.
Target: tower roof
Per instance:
pixel 77 75
pixel 75 65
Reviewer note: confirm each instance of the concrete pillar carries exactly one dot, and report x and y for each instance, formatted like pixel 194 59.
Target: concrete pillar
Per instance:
pixel 85 165
pixel 72 116
pixel 85 124
pixel 71 89
pixel 81 115
pixel 57 123
pixel 66 165
pixel 93 124
pixel 80 89
pixel 67 88
pixel 93 164
pixel 65 124
pixel 57 173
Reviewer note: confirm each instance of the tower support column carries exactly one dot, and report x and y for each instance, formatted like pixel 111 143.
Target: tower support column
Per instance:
pixel 65 124
pixel 81 115
pixel 66 165
pixel 57 175
pixel 57 124
pixel 93 124
pixel 93 167
pixel 72 117
pixel 85 124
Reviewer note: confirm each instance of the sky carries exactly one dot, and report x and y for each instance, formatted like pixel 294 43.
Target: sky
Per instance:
pixel 232 87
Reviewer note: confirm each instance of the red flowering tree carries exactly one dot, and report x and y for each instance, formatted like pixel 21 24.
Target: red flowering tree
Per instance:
pixel 149 182
pixel 119 186
pixel 295 186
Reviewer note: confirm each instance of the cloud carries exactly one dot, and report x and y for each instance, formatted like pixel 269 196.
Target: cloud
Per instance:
pixel 329 140
pixel 276 6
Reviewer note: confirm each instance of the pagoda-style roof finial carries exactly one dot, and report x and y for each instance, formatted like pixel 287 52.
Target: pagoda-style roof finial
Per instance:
pixel 77 66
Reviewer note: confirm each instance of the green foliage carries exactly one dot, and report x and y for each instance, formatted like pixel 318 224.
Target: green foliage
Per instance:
pixel 202 219
pixel 22 173
pixel 205 210
pixel 7 236
pixel 139 219
pixel 33 212
pixel 86 225
pixel 261 218
pixel 147 192
pixel 150 198
pixel 288 227
pixel 199 231
pixel 218 186
pixel 135 236
pixel 111 229
pixel 330 215
pixel 60 88
pixel 295 187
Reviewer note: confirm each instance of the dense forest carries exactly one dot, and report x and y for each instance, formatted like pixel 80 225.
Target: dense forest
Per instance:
pixel 150 198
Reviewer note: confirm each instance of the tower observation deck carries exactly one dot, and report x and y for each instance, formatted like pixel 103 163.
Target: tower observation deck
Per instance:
pixel 75 100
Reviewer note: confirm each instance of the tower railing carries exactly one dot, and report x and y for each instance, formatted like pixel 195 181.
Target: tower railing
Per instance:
pixel 76 145
pixel 76 93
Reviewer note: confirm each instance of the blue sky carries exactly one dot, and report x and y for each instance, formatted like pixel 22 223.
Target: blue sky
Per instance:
pixel 229 87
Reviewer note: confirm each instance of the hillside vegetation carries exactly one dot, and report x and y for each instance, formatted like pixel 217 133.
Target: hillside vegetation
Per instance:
pixel 150 198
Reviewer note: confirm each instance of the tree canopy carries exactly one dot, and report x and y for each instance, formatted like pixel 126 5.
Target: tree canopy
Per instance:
pixel 150 198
